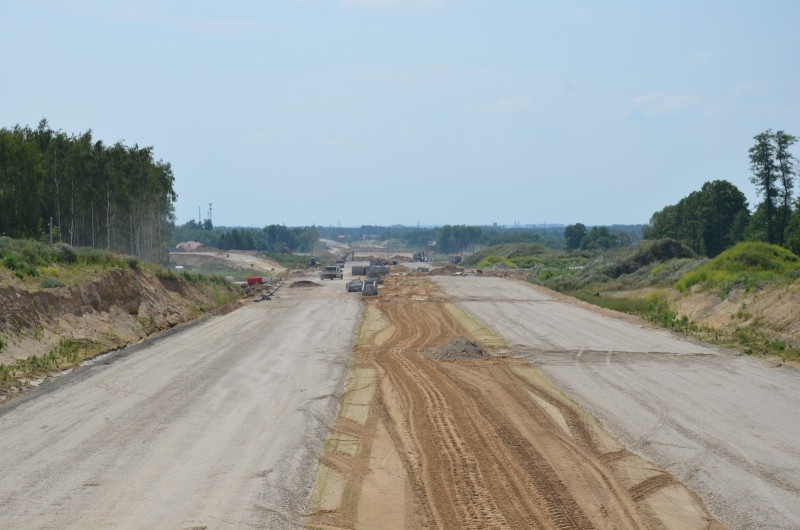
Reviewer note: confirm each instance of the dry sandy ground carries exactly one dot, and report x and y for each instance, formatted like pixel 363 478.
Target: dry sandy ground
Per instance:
pixel 223 425
pixel 726 425
pixel 215 426
pixel 245 261
pixel 480 442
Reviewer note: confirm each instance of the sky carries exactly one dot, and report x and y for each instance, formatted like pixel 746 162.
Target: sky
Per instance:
pixel 414 112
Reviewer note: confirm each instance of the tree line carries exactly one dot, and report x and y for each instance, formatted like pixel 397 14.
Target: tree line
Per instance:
pixel 116 197
pixel 718 216
pixel 458 239
pixel 271 238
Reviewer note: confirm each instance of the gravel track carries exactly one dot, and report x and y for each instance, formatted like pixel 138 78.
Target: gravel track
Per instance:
pixel 219 425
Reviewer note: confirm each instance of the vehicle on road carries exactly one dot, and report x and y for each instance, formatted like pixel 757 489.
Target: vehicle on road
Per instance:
pixel 331 272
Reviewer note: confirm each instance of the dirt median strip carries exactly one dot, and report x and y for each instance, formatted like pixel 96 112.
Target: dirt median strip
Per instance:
pixel 485 441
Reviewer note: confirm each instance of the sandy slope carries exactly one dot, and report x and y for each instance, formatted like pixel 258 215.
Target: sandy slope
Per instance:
pixel 252 261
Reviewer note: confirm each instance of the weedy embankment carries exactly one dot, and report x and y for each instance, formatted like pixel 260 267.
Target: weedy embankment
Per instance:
pixel 61 305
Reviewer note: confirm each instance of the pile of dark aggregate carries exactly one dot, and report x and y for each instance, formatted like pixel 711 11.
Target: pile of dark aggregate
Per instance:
pixel 460 348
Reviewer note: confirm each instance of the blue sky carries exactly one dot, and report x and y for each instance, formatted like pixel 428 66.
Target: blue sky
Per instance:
pixel 434 112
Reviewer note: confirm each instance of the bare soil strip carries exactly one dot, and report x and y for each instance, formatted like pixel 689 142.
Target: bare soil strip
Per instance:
pixel 474 442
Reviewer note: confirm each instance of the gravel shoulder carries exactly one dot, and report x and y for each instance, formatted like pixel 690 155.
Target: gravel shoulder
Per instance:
pixel 200 428
pixel 724 424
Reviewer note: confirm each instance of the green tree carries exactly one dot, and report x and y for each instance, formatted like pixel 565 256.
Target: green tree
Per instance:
pixel 599 237
pixel 722 206
pixel 574 235
pixel 708 221
pixel 118 197
pixel 765 178
pixel 785 166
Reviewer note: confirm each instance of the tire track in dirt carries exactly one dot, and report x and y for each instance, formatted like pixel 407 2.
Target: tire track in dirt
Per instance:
pixel 483 442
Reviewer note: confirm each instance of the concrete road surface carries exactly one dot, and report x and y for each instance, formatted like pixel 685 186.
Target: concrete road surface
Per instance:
pixel 726 425
pixel 219 425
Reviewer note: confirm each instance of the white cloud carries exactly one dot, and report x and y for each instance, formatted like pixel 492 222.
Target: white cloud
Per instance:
pixel 514 104
pixel 381 4
pixel 660 103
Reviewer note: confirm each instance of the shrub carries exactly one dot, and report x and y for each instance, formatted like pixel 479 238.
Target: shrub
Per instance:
pixel 747 264
pixel 164 273
pixel 67 253
pixel 193 277
pixel 50 283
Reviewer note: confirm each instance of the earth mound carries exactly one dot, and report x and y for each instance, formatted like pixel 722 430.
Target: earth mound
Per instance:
pixel 460 348
pixel 303 284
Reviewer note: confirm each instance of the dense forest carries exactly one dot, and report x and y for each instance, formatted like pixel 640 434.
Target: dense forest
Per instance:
pixel 114 197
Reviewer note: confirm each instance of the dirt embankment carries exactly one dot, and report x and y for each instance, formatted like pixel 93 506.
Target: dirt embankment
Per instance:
pixel 436 432
pixel 775 309
pixel 119 307
pixel 242 260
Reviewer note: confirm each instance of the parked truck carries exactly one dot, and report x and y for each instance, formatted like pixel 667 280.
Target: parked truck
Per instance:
pixel 331 272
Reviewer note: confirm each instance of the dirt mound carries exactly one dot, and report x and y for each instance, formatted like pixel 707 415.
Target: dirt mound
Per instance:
pixel 460 348
pixel 303 284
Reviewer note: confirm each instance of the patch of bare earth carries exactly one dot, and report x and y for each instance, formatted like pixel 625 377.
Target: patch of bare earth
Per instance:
pixel 118 307
pixel 438 430
pixel 775 307
pixel 242 260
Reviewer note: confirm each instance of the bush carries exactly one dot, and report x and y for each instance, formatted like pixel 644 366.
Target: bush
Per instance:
pixel 747 264
pixel 51 283
pixel 67 253
pixel 165 273
pixel 193 277
pixel 19 267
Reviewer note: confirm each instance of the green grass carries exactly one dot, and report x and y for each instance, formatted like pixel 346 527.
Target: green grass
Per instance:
pixel 66 354
pixel 29 259
pixel 491 260
pixel 746 264
pixel 653 307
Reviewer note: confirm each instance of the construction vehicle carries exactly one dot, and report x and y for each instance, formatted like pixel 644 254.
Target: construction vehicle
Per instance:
pixel 331 272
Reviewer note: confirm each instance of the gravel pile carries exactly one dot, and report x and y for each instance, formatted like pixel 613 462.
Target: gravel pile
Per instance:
pixel 304 283
pixel 460 348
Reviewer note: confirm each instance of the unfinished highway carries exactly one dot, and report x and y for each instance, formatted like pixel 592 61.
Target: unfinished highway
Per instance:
pixel 331 410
